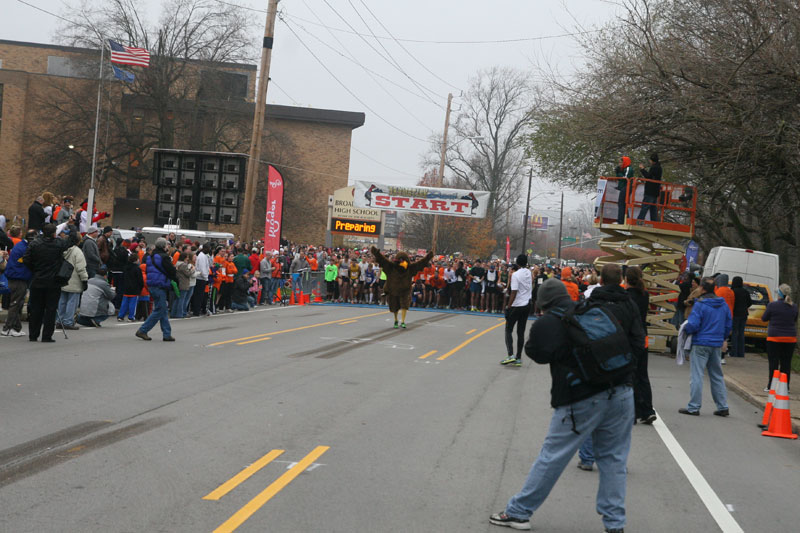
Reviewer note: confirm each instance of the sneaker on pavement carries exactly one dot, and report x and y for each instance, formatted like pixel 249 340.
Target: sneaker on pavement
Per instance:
pixel 142 335
pixel 502 519
pixel 403 325
pixel 15 333
pixel 169 339
pixel 71 327
pixel 585 466
pixel 508 360
pixel 396 325
pixel 516 362
pixel 722 412
pixel 649 419
pixel 722 362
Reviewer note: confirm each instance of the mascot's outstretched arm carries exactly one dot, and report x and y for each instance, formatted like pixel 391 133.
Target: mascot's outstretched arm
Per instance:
pixel 385 264
pixel 418 266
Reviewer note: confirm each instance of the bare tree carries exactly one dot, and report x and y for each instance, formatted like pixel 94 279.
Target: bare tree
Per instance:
pixel 487 147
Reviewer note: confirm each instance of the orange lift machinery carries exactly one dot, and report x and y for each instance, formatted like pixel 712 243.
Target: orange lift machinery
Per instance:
pixel 655 243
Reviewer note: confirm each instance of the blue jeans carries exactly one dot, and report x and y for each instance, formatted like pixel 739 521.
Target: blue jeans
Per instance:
pixel 159 297
pixel 240 307
pixel 608 418
pixel 67 305
pixel 128 307
pixel 586 451
pixel 188 303
pixel 652 208
pixel 703 357
pixel 179 305
pixel 737 336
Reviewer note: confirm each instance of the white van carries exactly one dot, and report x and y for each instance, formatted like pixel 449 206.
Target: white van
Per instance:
pixel 753 266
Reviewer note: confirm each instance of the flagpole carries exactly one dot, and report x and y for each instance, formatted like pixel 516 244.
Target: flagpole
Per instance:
pixel 90 201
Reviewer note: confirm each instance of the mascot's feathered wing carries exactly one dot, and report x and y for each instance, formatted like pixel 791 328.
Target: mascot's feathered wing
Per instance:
pixel 399 274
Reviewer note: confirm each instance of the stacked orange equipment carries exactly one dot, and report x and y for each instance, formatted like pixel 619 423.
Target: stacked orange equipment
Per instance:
pixel 776 379
pixel 780 424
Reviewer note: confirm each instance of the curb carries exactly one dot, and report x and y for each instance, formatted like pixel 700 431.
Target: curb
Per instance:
pixel 751 398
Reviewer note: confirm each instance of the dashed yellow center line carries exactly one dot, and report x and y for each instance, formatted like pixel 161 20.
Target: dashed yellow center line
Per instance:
pixel 427 354
pixel 262 335
pixel 471 331
pixel 257 340
pixel 457 348
pixel 239 478
pixel 256 503
pixel 348 322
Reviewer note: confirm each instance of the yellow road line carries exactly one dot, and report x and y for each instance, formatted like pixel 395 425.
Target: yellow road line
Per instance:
pixel 471 331
pixel 427 354
pixel 257 340
pixel 348 322
pixel 457 348
pixel 256 503
pixel 294 329
pixel 236 480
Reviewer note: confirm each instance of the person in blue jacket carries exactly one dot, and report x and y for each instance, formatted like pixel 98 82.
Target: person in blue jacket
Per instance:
pixel 709 324
pixel 19 277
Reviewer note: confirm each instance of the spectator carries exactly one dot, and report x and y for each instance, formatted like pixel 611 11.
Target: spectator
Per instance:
pixel 476 285
pixel 19 276
pixel 184 273
pixel 91 252
pixel 240 290
pixel 66 211
pixel 133 283
pixel 200 296
pixel 624 171
pixel 710 325
pixel 104 245
pixel 36 214
pixel 71 292
pixel 160 274
pixel 781 333
pixel 97 302
pixel 265 278
pixel 569 281
pixel 44 257
pixel 741 305
pixel 602 411
pixel 652 189
pixel 642 392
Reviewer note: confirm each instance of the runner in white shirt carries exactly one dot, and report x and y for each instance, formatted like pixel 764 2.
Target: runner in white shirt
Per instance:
pixel 518 309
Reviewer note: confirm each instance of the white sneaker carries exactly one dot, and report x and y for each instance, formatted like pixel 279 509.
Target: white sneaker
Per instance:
pixel 722 362
pixel 17 333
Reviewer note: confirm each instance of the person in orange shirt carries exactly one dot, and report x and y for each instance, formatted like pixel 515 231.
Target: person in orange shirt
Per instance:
pixel 571 284
pixel 15 234
pixel 143 305
pixel 312 262
pixel 722 290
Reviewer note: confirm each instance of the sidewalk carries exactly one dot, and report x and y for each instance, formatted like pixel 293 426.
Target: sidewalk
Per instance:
pixel 747 377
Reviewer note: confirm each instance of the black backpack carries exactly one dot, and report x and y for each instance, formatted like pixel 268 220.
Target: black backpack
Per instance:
pixel 601 352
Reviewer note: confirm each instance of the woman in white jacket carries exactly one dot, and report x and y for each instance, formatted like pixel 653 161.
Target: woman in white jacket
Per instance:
pixel 71 292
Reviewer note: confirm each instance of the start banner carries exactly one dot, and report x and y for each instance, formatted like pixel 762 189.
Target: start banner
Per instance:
pixel 417 199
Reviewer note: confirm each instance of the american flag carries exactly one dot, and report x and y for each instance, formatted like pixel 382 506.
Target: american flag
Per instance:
pixel 127 55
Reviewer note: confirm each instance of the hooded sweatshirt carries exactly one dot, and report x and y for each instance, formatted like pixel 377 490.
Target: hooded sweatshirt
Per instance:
pixel 723 291
pixel 572 288
pixel 625 170
pixel 710 321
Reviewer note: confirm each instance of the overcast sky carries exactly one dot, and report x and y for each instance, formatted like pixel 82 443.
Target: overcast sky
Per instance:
pixel 380 150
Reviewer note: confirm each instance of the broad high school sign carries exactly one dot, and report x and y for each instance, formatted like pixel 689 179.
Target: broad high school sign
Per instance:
pixel 453 202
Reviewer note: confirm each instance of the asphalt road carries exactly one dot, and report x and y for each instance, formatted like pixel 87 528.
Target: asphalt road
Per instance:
pixel 317 418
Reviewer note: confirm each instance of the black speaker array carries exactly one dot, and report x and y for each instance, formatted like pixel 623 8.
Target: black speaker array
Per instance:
pixel 198 187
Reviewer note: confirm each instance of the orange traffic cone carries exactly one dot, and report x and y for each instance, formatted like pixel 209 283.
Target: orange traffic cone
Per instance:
pixel 776 379
pixel 780 424
pixel 291 298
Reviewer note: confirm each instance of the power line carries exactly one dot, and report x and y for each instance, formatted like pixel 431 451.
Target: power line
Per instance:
pixel 323 43
pixel 404 48
pixel 410 113
pixel 271 82
pixel 37 8
pixel 383 164
pixel 346 88
pixel 391 60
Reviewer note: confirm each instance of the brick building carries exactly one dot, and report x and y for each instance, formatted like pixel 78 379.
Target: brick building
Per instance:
pixel 47 125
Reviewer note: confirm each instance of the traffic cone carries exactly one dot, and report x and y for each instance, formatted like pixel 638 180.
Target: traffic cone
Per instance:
pixel 776 379
pixel 291 298
pixel 780 424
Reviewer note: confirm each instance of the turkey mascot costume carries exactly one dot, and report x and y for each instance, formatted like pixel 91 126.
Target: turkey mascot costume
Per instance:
pixel 399 274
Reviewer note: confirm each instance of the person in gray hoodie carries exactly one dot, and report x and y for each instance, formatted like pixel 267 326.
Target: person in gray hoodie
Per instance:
pixel 96 304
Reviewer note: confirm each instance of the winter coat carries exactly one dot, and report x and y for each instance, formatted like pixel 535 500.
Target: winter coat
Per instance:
pixel 184 273
pixel 642 301
pixel 63 214
pixel 741 303
pixel 92 254
pixel 710 322
pixel 652 188
pixel 96 300
pixel 36 216
pixel 117 259
pixel 132 280
pixel 160 270
pixel 15 268
pixel 104 248
pixel 44 257
pixel 74 256
pixel 265 268
pixel 782 319
pixel 239 292
pixel 398 279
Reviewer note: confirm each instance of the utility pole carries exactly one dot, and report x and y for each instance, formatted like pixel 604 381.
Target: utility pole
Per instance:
pixel 258 123
pixel 441 166
pixel 560 227
pixel 527 207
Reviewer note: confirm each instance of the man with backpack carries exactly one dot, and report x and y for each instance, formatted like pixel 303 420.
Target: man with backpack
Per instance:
pixel 588 401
